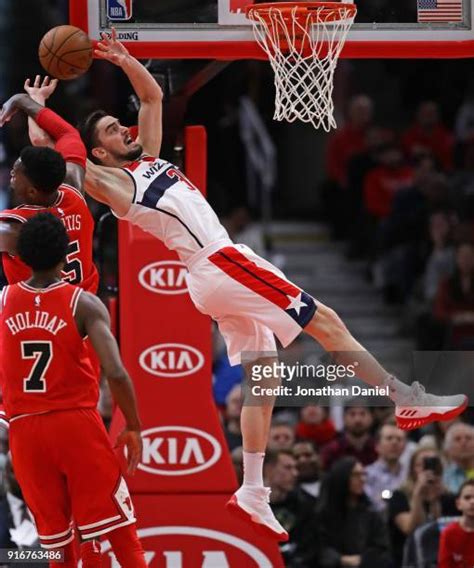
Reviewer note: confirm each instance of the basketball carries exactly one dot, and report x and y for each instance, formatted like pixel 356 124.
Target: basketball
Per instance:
pixel 65 52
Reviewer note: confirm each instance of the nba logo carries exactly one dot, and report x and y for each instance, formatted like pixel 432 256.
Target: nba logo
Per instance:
pixel 119 9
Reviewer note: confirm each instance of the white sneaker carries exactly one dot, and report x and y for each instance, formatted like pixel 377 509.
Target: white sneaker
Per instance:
pixel 420 408
pixel 251 504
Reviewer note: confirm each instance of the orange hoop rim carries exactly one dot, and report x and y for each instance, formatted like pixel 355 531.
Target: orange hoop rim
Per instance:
pixel 331 11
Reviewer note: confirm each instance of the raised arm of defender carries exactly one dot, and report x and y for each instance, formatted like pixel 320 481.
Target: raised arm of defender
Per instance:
pixel 146 88
pixel 67 140
pixel 40 91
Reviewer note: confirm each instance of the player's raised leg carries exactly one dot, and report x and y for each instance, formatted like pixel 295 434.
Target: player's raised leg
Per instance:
pixel 414 406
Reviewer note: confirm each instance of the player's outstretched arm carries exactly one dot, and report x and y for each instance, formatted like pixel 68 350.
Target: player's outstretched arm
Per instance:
pixel 146 88
pixel 93 320
pixel 104 183
pixel 40 91
pixel 94 184
pixel 66 138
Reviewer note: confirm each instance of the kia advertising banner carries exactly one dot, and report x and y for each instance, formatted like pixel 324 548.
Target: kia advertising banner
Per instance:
pixel 166 346
pixel 196 532
pixel 164 277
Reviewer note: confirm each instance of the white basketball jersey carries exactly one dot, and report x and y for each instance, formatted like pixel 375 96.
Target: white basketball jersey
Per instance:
pixel 168 206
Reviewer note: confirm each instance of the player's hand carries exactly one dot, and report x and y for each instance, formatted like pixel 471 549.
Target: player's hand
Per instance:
pixel 40 91
pixel 111 49
pixel 9 109
pixel 133 441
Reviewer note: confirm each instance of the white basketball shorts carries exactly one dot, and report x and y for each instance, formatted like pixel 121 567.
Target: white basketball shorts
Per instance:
pixel 249 298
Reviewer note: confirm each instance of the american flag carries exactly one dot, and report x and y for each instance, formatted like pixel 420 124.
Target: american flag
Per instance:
pixel 440 10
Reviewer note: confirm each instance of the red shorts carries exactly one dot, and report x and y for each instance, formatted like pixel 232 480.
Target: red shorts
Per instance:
pixel 68 473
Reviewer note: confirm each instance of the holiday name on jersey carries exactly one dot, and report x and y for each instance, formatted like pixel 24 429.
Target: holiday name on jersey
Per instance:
pixel 40 320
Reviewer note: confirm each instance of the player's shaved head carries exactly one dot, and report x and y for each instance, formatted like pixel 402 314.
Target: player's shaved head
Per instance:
pixel 43 242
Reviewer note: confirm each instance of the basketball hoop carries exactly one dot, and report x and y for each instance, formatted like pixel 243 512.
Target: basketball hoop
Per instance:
pixel 303 42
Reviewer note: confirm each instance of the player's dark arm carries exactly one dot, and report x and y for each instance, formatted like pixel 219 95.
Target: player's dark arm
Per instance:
pixel 67 140
pixel 93 320
pixel 40 91
pixel 9 236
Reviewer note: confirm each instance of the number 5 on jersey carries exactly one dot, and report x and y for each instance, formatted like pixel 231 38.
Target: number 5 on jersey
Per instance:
pixel 42 353
pixel 72 271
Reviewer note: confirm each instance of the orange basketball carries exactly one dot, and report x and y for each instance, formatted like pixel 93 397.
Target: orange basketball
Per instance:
pixel 65 52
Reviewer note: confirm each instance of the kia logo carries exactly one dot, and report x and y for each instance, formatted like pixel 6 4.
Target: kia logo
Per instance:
pixel 164 277
pixel 178 450
pixel 227 549
pixel 171 360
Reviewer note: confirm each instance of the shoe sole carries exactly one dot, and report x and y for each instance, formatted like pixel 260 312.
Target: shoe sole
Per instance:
pixel 414 423
pixel 235 509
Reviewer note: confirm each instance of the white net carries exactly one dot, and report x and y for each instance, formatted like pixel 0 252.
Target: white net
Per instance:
pixel 303 44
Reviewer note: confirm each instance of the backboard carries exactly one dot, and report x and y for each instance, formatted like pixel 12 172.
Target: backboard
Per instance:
pixel 218 29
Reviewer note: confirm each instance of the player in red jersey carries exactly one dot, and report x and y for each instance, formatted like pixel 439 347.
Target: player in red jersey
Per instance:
pixel 43 179
pixel 61 454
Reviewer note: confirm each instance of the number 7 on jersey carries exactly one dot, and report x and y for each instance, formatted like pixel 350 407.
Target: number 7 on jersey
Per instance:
pixel 42 353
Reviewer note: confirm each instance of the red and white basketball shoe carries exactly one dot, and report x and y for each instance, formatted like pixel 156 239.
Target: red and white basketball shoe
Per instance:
pixel 420 408
pixel 251 504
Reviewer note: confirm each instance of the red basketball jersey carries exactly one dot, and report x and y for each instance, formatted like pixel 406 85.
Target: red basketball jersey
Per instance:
pixel 71 208
pixel 45 362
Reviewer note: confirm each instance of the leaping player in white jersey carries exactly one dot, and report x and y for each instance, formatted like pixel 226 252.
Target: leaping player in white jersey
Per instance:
pixel 251 300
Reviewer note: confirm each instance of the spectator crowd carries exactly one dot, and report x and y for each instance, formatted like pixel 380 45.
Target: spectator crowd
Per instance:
pixel 369 495
pixel 404 201
pixel 366 493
